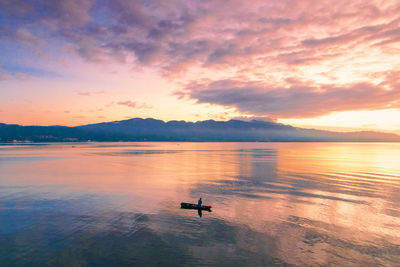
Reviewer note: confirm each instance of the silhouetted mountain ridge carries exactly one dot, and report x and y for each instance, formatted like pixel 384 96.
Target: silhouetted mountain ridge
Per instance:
pixel 137 129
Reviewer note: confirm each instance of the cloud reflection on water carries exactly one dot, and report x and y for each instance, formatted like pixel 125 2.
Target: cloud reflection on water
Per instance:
pixel 273 204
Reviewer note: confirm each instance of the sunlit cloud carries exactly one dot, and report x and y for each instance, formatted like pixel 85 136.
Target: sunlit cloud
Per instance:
pixel 273 59
pixel 295 100
pixel 130 104
pixel 133 104
pixel 383 120
pixel 206 33
pixel 91 93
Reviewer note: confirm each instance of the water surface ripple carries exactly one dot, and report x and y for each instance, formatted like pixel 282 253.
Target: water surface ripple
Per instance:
pixel 274 204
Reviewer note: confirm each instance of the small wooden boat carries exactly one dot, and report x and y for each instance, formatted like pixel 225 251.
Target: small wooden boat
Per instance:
pixel 194 206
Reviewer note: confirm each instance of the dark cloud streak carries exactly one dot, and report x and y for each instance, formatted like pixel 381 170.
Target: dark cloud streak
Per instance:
pixel 299 101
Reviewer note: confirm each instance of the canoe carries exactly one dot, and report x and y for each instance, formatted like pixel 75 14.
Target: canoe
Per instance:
pixel 194 206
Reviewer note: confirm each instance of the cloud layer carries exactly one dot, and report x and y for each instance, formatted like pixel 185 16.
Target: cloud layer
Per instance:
pixel 290 58
pixel 295 101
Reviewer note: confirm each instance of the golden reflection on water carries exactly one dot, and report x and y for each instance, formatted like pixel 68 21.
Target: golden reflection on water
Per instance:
pixel 319 202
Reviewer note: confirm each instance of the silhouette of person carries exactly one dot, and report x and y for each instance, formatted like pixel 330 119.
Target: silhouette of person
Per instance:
pixel 199 203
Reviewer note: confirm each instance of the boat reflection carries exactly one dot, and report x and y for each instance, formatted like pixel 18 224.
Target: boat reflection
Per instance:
pixel 195 207
pixel 285 204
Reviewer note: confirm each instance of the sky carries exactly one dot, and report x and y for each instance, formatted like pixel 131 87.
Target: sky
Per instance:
pixel 318 64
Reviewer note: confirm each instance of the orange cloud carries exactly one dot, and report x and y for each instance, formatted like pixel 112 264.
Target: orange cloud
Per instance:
pixel 289 58
pixel 295 101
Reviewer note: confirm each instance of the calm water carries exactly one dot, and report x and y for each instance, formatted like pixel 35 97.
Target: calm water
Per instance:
pixel 117 204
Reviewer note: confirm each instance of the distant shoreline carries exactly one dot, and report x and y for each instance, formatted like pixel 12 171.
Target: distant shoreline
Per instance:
pixel 152 130
pixel 269 142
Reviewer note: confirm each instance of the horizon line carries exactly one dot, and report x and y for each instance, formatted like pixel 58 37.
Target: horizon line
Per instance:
pixel 233 119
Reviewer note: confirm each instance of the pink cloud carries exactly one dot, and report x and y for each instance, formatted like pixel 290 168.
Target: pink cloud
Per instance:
pixel 130 104
pixel 26 37
pixel 21 76
pixel 16 7
pixel 181 34
pixel 91 93
pixel 6 76
pixel 133 104
pixel 256 47
pixel 295 101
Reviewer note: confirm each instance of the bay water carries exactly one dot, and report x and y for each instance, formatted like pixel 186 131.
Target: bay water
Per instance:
pixel 273 204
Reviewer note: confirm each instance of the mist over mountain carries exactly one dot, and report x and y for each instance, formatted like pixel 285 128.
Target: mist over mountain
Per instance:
pixel 138 129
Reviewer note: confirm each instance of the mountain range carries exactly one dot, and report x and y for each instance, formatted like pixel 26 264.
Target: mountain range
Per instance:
pixel 138 129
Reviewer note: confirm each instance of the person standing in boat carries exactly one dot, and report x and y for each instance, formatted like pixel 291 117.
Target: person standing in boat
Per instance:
pixel 199 203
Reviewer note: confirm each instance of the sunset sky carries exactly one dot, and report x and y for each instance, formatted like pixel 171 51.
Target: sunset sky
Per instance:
pixel 318 64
